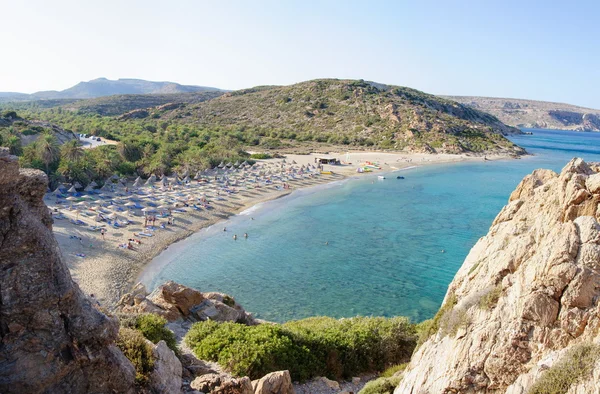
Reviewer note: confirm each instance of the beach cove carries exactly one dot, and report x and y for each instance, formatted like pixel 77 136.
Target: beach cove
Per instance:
pixel 420 228
pixel 107 271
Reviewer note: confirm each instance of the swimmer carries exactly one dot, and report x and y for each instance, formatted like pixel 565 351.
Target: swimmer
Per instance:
pixel 224 228
pixel 443 251
pixel 245 235
pixel 235 237
pixel 327 243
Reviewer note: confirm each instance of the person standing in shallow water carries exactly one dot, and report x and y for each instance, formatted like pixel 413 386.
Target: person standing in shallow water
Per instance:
pixel 234 237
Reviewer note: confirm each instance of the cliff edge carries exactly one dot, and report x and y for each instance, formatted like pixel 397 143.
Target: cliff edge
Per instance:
pixel 53 340
pixel 525 301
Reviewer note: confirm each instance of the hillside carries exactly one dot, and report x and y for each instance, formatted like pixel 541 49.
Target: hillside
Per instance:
pixel 120 104
pixel 18 132
pixel 351 113
pixel 522 313
pixel 535 114
pixel 101 87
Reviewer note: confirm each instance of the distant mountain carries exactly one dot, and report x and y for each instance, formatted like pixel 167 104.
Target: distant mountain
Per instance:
pixel 535 114
pixel 105 87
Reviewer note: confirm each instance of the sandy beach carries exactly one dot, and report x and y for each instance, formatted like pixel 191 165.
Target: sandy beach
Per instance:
pixel 105 270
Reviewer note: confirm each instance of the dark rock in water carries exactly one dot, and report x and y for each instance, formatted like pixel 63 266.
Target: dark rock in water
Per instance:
pixel 54 340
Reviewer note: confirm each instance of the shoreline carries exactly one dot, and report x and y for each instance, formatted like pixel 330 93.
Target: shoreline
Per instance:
pixel 107 272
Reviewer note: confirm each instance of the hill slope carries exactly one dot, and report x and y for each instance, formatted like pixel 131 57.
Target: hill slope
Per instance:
pixel 535 114
pixel 352 112
pixel 105 87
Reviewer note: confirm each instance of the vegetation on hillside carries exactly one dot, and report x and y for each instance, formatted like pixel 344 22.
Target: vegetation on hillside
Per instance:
pixel 574 366
pixel 320 346
pixel 199 134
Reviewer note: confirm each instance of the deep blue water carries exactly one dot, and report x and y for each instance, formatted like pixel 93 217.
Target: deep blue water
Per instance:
pixel 386 238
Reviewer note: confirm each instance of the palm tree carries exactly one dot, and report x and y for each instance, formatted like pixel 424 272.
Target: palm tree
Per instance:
pixel 48 150
pixel 72 151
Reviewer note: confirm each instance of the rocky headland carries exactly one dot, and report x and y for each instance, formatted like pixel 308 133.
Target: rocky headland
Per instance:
pixel 523 308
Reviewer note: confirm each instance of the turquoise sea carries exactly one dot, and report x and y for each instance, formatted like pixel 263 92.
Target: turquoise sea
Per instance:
pixel 393 245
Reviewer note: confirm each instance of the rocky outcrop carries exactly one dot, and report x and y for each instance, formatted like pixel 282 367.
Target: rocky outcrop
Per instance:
pixel 527 292
pixel 174 302
pixel 222 384
pixel 54 340
pixel 278 382
pixel 166 375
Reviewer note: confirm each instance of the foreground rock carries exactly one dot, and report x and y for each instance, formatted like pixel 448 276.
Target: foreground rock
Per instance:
pixel 222 384
pixel 166 376
pixel 278 382
pixel 53 339
pixel 526 294
pixel 175 302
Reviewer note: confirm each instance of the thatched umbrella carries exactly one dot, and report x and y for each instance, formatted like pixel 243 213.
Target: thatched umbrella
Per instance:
pixel 72 190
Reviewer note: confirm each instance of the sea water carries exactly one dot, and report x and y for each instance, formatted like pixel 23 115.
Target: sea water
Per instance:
pixel 362 246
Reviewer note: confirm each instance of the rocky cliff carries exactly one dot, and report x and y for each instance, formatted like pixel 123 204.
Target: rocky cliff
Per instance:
pixel 53 339
pixel 523 308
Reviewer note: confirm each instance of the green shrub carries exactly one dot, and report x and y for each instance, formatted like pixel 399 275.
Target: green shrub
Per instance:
pixel 490 299
pixel 310 347
pixel 261 156
pixel 381 386
pixel 153 328
pixel 429 327
pixel 576 364
pixel 138 351
pixel 389 372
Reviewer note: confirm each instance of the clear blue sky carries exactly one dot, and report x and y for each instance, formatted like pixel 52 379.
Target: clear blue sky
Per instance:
pixel 546 50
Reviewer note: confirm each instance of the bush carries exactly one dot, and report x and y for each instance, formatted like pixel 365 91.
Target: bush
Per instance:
pixel 389 372
pixel 134 346
pixel 490 299
pixel 576 364
pixel 261 156
pixel 381 386
pixel 153 329
pixel 310 347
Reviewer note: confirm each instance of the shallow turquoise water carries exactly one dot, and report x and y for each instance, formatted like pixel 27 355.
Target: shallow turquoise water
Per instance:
pixel 386 238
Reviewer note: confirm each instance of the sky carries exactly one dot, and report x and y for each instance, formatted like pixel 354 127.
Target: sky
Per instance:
pixel 541 50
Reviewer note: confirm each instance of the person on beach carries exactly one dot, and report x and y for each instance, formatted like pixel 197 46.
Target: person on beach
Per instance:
pixel 146 221
pixel 102 232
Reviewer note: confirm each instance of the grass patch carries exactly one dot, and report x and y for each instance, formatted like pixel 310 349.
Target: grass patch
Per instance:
pixel 151 326
pixel 311 347
pixel 389 372
pixel 576 364
pixel 261 156
pixel 381 386
pixel 490 299
pixel 429 327
pixel 134 346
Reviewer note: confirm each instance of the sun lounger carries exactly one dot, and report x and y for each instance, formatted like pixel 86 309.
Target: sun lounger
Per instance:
pixel 145 234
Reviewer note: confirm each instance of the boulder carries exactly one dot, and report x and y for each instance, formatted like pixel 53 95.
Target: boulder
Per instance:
pixel 166 376
pixel 222 384
pixel 54 340
pixel 177 299
pixel 278 382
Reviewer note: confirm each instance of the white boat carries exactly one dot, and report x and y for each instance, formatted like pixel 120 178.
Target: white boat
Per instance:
pixel 380 177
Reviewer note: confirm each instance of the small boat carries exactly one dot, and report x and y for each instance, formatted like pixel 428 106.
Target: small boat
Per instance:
pixel 399 177
pixel 380 177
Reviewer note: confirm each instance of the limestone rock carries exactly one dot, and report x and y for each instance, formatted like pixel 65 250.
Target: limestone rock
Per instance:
pixel 222 384
pixel 166 376
pixel 174 301
pixel 332 384
pixel 278 382
pixel 541 261
pixel 54 340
